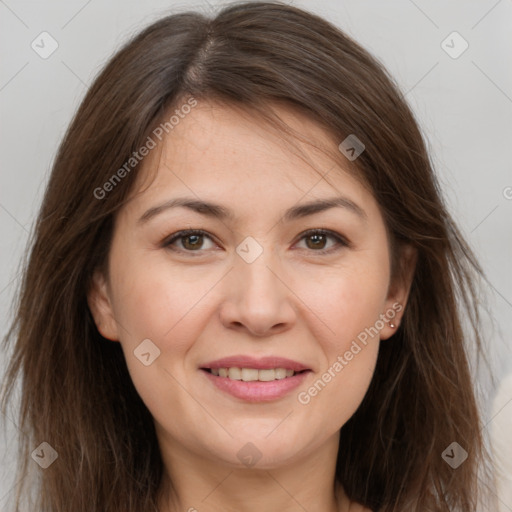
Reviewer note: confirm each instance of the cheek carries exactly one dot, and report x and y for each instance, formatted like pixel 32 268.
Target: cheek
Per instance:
pixel 159 302
pixel 156 307
pixel 347 300
pixel 155 299
pixel 348 303
pixel 350 355
pixel 350 382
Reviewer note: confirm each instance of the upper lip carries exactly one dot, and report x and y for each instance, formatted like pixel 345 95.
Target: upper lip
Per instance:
pixel 260 363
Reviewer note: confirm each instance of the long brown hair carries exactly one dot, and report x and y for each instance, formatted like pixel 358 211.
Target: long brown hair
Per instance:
pixel 76 392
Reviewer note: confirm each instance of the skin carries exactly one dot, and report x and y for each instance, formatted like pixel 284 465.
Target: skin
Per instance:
pixel 291 302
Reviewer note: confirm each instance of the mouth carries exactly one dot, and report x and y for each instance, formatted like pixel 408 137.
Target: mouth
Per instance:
pixel 255 380
pixel 253 374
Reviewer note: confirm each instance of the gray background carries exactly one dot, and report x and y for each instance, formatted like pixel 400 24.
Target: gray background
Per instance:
pixel 463 104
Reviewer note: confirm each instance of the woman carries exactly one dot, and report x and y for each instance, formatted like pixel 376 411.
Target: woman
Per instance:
pixel 243 286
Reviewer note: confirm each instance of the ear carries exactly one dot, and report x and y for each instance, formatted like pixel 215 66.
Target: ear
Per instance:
pixel 399 289
pixel 98 299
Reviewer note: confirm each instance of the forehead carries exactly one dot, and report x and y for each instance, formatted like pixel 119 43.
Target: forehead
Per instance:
pixel 225 153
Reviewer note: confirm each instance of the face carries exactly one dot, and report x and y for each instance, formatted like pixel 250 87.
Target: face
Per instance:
pixel 265 288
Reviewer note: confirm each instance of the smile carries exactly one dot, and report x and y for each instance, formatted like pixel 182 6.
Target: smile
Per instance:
pixel 253 374
pixel 260 389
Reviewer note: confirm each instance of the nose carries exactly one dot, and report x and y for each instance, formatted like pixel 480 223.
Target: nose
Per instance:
pixel 258 300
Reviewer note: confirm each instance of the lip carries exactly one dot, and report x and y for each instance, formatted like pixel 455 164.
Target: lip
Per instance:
pixel 256 391
pixel 262 363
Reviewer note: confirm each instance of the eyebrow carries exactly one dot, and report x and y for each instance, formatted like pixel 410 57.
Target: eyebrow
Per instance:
pixel 220 212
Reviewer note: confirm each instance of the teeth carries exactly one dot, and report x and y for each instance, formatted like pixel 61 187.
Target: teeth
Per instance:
pixel 281 373
pixel 266 375
pixel 253 374
pixel 248 374
pixel 234 373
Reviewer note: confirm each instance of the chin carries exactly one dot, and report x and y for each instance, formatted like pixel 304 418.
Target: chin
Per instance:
pixel 259 453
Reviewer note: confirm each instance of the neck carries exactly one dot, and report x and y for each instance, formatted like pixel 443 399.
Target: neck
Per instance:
pixel 195 483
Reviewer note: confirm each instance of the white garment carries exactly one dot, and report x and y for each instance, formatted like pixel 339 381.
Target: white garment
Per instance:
pixel 501 439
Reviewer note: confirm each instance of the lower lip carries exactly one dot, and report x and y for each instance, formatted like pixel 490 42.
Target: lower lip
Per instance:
pixel 257 391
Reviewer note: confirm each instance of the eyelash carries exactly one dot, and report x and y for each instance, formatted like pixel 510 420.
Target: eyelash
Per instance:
pixel 342 242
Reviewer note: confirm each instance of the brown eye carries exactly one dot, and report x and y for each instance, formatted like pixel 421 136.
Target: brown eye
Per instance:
pixel 190 241
pixel 317 239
